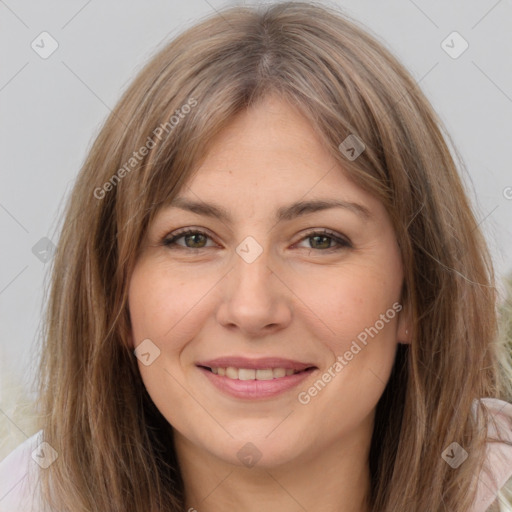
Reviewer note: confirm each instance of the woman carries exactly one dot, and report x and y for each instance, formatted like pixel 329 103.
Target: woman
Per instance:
pixel 270 291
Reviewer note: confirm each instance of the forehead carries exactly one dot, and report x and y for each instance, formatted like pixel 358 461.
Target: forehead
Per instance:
pixel 270 133
pixel 267 154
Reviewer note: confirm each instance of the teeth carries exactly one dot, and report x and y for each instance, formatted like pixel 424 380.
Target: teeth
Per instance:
pixel 267 374
pixel 279 372
pixel 244 374
pixel 252 374
pixel 231 373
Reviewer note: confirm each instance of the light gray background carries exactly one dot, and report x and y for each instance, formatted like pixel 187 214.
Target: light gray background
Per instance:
pixel 51 109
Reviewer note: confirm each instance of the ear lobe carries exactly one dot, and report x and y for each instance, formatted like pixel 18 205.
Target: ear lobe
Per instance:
pixel 404 328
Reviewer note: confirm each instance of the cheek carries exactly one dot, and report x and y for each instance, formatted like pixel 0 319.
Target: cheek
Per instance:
pixel 160 308
pixel 162 302
pixel 361 311
pixel 348 301
pixel 365 321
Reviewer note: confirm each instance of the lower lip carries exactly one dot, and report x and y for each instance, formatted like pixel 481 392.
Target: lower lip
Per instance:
pixel 256 389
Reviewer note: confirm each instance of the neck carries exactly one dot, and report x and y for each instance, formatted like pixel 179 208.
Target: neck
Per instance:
pixel 335 480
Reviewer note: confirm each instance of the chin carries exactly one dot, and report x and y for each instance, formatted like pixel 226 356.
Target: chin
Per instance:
pixel 259 451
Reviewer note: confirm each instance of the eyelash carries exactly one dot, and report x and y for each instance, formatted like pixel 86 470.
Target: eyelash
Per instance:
pixel 343 243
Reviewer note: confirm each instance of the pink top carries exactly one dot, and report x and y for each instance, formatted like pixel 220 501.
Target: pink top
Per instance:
pixel 498 462
pixel 19 470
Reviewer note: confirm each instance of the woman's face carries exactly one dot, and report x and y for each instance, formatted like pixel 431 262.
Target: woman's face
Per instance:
pixel 275 320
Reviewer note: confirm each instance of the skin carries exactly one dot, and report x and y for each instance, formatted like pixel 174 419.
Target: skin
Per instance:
pixel 303 298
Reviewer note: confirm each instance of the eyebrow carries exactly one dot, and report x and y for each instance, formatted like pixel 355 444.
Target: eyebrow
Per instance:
pixel 285 213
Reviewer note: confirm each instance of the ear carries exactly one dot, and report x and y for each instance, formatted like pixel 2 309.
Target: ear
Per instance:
pixel 404 327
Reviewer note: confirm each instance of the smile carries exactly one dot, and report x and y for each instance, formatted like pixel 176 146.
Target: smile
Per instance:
pixel 252 374
pixel 255 379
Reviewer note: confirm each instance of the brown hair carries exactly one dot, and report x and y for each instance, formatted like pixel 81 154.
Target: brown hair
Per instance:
pixel 115 448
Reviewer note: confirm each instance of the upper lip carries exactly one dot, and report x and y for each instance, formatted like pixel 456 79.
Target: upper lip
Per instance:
pixel 256 364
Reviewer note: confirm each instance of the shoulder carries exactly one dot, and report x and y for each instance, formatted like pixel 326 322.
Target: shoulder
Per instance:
pixel 498 462
pixel 19 476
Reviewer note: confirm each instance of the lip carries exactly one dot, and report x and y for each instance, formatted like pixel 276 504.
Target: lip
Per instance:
pixel 255 389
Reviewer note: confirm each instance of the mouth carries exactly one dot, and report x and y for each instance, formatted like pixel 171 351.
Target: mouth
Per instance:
pixel 254 373
pixel 255 378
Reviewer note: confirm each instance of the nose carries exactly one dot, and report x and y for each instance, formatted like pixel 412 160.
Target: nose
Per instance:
pixel 254 298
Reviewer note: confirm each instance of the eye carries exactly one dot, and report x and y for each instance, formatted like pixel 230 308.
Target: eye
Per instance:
pixel 193 239
pixel 322 240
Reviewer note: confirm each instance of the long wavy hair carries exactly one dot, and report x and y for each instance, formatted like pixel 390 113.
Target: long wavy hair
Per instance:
pixel 115 448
